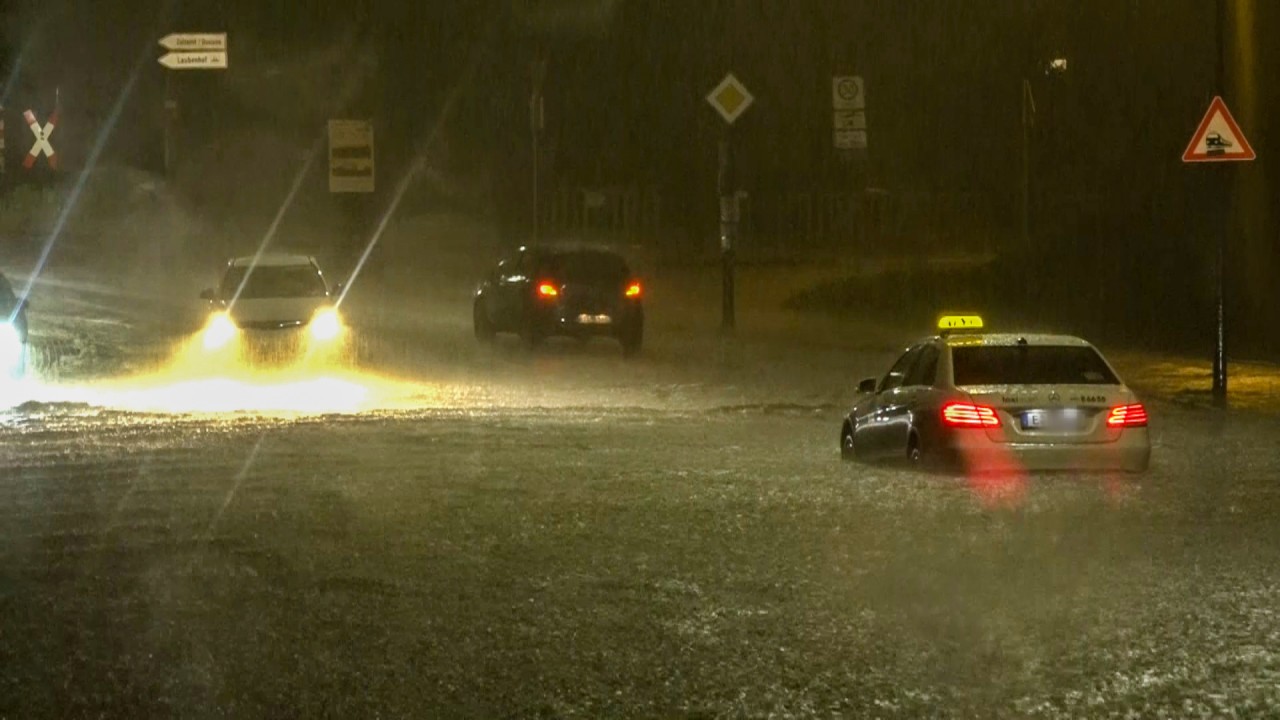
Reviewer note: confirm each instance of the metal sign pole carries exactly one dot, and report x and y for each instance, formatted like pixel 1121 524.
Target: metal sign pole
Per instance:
pixel 730 98
pixel 1219 139
pixel 728 230
pixel 169 107
pixel 1220 351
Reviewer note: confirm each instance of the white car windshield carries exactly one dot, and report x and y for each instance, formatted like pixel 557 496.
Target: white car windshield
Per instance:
pixel 274 281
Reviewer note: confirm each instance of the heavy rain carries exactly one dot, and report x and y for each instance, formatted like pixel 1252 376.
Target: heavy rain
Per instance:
pixel 530 358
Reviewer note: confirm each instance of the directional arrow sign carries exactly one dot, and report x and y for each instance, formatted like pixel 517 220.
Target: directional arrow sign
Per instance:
pixel 194 41
pixel 195 60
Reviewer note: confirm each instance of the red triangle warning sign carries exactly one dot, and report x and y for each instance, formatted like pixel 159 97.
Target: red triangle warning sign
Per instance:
pixel 1218 139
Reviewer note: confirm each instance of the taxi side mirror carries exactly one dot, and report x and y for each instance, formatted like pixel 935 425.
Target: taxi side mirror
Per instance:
pixel 208 294
pixel 867 385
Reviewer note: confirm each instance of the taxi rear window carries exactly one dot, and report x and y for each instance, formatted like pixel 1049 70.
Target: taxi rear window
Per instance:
pixel 1030 365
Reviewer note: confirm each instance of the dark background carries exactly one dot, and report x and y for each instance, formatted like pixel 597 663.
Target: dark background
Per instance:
pixel 630 145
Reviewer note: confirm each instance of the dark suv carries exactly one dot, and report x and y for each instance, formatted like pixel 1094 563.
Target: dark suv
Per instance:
pixel 574 292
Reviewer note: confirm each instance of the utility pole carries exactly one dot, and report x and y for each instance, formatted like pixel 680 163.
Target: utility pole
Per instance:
pixel 537 122
pixel 1028 120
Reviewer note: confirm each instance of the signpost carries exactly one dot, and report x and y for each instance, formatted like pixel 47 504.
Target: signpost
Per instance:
pixel 41 146
pixel 730 99
pixel 194 42
pixel 187 51
pixel 210 60
pixel 194 51
pixel 1218 139
pixel 849 113
pixel 351 156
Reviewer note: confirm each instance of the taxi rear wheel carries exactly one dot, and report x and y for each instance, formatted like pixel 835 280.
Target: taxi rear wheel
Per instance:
pixel 915 455
pixel 848 451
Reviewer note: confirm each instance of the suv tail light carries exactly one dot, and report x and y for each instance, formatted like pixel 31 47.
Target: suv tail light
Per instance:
pixel 969 415
pixel 547 290
pixel 1123 416
pixel 633 290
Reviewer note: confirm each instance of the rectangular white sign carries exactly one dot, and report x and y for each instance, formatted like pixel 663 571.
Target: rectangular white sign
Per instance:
pixel 848 93
pixel 194 41
pixel 351 156
pixel 195 60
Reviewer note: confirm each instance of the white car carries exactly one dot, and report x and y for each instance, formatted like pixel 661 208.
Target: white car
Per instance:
pixel 272 304
pixel 13 332
pixel 999 401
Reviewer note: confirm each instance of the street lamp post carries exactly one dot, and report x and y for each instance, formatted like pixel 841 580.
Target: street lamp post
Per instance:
pixel 1055 67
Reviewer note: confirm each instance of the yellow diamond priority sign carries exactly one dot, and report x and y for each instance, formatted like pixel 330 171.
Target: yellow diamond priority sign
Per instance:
pixel 730 98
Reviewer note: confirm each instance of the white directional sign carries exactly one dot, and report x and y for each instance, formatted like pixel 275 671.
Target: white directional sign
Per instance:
pixel 194 51
pixel 215 60
pixel 730 98
pixel 188 42
pixel 350 156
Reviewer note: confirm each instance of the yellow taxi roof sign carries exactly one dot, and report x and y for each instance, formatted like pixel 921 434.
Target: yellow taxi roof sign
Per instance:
pixel 960 322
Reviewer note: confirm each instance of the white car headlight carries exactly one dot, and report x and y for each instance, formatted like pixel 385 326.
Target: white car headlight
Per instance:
pixel 219 331
pixel 10 348
pixel 326 324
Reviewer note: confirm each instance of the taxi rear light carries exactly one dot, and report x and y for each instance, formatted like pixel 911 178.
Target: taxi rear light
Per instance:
pixel 547 290
pixel 633 290
pixel 969 415
pixel 1123 416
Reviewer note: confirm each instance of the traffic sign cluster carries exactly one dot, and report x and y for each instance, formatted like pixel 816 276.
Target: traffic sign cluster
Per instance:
pixel 194 51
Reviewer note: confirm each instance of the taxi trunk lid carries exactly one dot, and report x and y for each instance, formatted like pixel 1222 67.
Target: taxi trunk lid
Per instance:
pixel 1057 414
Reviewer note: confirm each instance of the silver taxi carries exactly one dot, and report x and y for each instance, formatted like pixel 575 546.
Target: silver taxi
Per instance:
pixel 981 401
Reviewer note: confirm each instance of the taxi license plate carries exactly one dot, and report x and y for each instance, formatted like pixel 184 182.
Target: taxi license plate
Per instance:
pixel 585 319
pixel 1059 420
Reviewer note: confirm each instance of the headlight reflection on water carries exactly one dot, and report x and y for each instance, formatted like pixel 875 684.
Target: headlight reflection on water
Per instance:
pixel 198 380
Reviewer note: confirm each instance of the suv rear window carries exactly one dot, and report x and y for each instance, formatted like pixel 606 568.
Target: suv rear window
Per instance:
pixel 586 267
pixel 1030 365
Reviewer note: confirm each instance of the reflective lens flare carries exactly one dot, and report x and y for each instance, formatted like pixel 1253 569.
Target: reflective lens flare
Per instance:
pixel 547 290
pixel 220 331
pixel 633 290
pixel 969 415
pixel 326 325
pixel 10 347
pixel 1123 416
